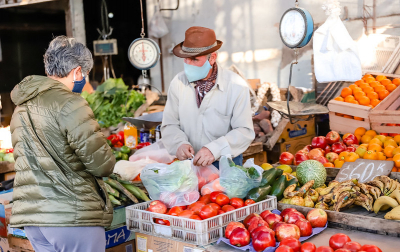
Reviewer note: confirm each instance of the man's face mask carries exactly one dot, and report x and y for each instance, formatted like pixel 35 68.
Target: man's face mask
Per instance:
pixel 195 73
pixel 78 85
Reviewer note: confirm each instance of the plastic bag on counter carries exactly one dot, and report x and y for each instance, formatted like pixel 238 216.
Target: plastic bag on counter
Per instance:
pixel 175 184
pixel 212 187
pixel 206 174
pixel 156 152
pixel 238 180
pixel 130 170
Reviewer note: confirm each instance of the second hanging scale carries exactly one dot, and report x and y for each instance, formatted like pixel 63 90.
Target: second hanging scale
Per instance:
pixel 296 29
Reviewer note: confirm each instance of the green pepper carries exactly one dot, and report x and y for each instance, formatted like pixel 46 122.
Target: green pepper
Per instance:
pixel 109 142
pixel 253 173
pixel 125 149
pixel 124 156
pixel 259 193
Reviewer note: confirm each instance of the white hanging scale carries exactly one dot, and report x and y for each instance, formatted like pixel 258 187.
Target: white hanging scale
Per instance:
pixel 143 53
pixel 296 30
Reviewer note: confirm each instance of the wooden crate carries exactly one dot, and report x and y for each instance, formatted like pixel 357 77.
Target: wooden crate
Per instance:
pixel 259 158
pixel 347 125
pixel 380 117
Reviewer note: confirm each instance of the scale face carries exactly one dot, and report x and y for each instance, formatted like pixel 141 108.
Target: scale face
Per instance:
pixel 296 28
pixel 143 53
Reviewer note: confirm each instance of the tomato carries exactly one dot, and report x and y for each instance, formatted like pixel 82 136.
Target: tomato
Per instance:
pixel 186 214
pixel 308 247
pixel 342 250
pixel 215 206
pixel 205 198
pixel 304 226
pixel 213 195
pixel 324 249
pixel 370 248
pixel 292 243
pixel 338 240
pixel 196 207
pixel 228 208
pixel 195 217
pixel 207 211
pixel 284 248
pixel 231 226
pixel 239 237
pixel 157 207
pixel 237 202
pixel 221 212
pixel 175 211
pixel 222 199
pixel 262 240
pixel 249 202
pixel 162 222
pixel 352 246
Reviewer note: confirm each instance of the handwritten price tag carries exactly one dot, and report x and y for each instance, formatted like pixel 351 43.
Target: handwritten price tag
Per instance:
pixel 364 170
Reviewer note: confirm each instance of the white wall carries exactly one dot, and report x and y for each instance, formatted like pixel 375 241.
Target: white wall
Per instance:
pixel 249 30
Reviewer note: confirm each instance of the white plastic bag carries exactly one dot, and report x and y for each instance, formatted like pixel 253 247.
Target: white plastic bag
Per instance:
pixel 235 181
pixel 157 26
pixel 129 170
pixel 156 152
pixel 335 52
pixel 212 187
pixel 174 185
pixel 206 174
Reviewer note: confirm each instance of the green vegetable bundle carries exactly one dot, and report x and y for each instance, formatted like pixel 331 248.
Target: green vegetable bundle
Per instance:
pixel 112 100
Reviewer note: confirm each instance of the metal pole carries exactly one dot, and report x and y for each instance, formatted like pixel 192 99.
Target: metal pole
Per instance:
pixel 374 17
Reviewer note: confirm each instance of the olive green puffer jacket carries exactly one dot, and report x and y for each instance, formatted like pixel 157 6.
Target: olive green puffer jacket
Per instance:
pixel 60 157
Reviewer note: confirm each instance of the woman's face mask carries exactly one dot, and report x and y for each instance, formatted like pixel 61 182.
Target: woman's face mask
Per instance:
pixel 78 85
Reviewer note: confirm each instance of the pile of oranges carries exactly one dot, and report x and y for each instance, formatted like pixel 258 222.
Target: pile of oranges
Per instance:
pixel 369 91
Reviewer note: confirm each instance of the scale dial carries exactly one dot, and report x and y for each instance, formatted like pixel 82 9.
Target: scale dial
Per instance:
pixel 296 28
pixel 143 53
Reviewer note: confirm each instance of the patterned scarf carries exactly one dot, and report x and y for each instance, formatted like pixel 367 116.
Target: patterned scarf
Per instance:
pixel 204 86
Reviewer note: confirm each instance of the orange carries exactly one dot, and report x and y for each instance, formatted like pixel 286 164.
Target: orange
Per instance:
pixel 349 98
pixel 389 151
pixel 364 145
pixel 359 82
pixel 379 88
pixel 383 94
pixel 353 86
pixel 339 114
pixel 368 90
pixel 351 157
pixel 381 156
pixel 389 159
pixel 366 138
pixel 390 142
pixel 371 133
pixel 391 87
pixel 396 160
pixel 364 100
pixel 348 116
pixel 369 79
pixel 343 154
pixel 376 141
pixel 357 89
pixel 339 98
pixel 329 164
pixel 358 119
pixel 358 94
pixel 374 84
pixel 358 136
pixel 382 138
pixel 364 85
pixel 397 139
pixel 374 147
pixel 372 95
pixel 396 151
pixel 354 102
pixel 375 102
pixel 380 77
pixel 394 169
pixel 371 106
pixel 346 92
pixel 396 81
pixel 338 163
pixel 386 82
pixel 372 155
pixel 367 75
pixel 360 131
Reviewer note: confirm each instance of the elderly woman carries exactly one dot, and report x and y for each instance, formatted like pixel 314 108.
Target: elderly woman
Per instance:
pixel 61 155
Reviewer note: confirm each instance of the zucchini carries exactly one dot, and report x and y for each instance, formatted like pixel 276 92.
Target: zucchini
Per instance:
pixel 278 187
pixel 111 190
pixel 292 181
pixel 269 176
pixel 114 200
pixel 136 191
pixel 259 193
pixel 121 188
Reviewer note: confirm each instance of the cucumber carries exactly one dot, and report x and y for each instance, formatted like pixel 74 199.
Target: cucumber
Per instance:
pixel 259 193
pixel 122 189
pixel 269 176
pixel 136 191
pixel 114 200
pixel 278 187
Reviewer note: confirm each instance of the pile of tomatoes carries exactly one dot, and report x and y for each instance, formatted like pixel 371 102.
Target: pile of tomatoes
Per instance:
pixel 207 206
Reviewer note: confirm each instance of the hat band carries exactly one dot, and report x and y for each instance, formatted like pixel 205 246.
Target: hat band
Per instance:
pixel 199 49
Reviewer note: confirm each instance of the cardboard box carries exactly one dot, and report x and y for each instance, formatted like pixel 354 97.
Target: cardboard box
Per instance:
pixel 118 236
pixel 124 247
pixel 259 158
pixel 298 130
pixel 148 243
pixel 289 146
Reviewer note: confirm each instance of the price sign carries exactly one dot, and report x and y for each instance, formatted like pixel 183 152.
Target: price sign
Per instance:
pixel 364 170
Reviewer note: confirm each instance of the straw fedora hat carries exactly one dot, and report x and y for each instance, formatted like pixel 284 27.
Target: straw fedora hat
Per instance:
pixel 198 41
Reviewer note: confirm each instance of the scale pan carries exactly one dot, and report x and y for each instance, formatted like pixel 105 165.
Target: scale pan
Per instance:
pixel 298 108
pixel 148 121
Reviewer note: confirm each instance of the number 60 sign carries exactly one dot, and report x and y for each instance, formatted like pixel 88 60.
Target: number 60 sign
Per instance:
pixel 364 170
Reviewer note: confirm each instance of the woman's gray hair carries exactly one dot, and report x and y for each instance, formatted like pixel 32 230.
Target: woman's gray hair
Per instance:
pixel 65 54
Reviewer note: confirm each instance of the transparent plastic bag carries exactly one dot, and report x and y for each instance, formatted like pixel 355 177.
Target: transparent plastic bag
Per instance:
pixel 156 152
pixel 235 181
pixel 157 26
pixel 175 184
pixel 212 187
pixel 206 174
pixel 129 170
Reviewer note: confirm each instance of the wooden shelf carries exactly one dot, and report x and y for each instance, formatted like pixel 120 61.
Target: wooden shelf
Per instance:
pixel 23 2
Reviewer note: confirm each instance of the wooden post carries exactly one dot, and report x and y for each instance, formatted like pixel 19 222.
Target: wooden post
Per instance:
pixel 75 20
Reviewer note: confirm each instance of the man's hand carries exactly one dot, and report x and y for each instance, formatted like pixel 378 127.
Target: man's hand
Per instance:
pixel 203 158
pixel 185 151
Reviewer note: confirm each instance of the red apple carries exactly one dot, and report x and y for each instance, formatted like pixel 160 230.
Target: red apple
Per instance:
pixel 239 237
pixel 292 243
pixel 317 218
pixel 231 226
pixel 257 223
pixel 324 249
pixel 250 218
pixel 352 246
pixel 284 248
pixel 262 228
pixel 370 248
pixel 287 230
pixel 265 213
pixel 332 137
pixel 292 217
pixel 300 157
pixel 328 149
pixel 286 158
pixel 304 226
pixel 350 139
pixel 338 148
pixel 308 247
pixel 319 142
pixel 315 154
pixel 262 240
pixel 342 250
pixel 332 156
pixel 157 207
pixel 351 149
pixel 307 148
pixel 276 225
pixel 287 211
pixel 322 160
pixel 338 240
pixel 272 218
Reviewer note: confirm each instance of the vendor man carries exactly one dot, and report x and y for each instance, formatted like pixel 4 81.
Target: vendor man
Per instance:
pixel 208 111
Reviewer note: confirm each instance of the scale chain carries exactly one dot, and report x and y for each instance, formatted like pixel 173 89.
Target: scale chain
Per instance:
pixel 141 11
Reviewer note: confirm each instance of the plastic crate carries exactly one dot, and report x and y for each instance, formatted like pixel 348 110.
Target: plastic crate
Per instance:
pixel 198 232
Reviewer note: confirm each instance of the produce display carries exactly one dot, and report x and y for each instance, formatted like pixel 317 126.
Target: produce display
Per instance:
pixel 7 155
pixel 122 192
